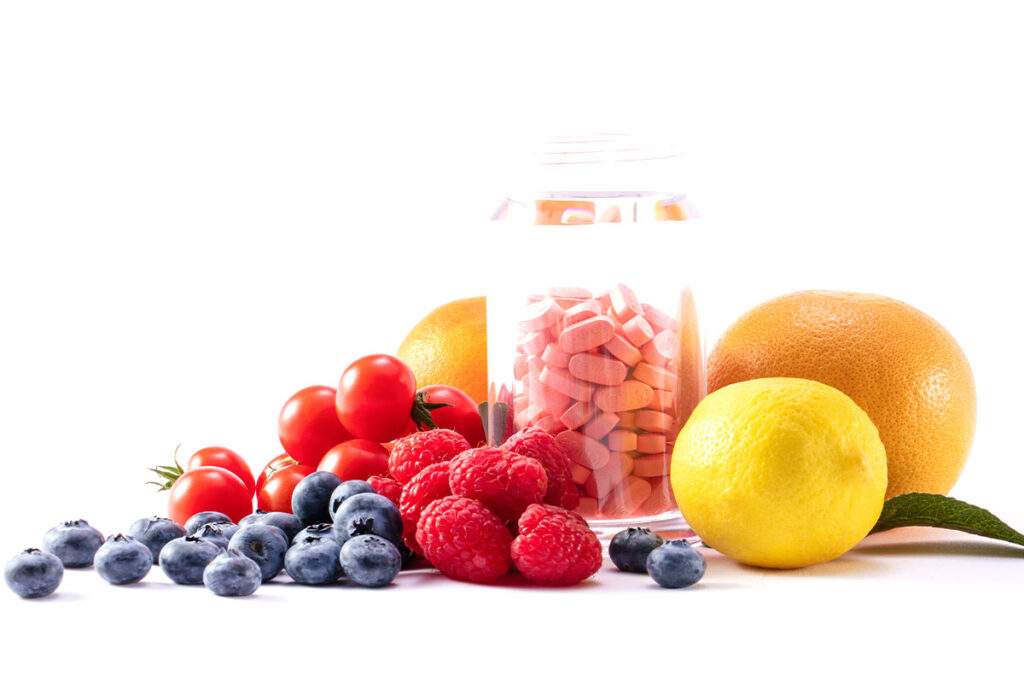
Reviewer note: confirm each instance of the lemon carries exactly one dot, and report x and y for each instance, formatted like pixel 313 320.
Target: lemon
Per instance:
pixel 779 472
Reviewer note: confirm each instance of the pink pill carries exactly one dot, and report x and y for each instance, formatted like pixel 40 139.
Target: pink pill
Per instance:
pixel 587 507
pixel 570 293
pixel 626 498
pixel 603 479
pixel 653 421
pixel 580 311
pixel 549 424
pixel 577 414
pixel 665 344
pixel 587 334
pixel 583 450
pixel 605 301
pixel 658 319
pixel 553 356
pixel 661 499
pixel 548 398
pixel 638 331
pixel 624 303
pixel 533 343
pixel 627 419
pixel 526 416
pixel 651 443
pixel 534 365
pixel 630 395
pixel 663 400
pixel 540 315
pixel 657 377
pixel 595 368
pixel 621 440
pixel 562 381
pixel 519 368
pixel 600 425
pixel 580 474
pixel 652 465
pixel 623 350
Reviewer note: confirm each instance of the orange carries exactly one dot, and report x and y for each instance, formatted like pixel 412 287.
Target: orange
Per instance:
pixel 897 363
pixel 449 347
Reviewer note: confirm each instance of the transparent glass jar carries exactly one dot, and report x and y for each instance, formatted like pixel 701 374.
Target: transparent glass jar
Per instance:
pixel 592 322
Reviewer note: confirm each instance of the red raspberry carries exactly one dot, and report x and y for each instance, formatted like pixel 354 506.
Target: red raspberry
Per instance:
pixel 555 547
pixel 386 486
pixel 464 539
pixel 430 484
pixel 505 481
pixel 414 452
pixel 535 443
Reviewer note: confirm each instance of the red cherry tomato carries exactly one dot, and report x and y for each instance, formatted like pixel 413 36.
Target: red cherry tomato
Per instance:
pixel 208 489
pixel 276 493
pixel 461 415
pixel 355 459
pixel 280 462
pixel 375 397
pixel 308 425
pixel 218 456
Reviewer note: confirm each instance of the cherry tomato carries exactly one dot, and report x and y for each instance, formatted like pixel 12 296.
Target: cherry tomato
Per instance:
pixel 461 415
pixel 375 397
pixel 355 459
pixel 218 456
pixel 280 462
pixel 276 493
pixel 308 425
pixel 208 489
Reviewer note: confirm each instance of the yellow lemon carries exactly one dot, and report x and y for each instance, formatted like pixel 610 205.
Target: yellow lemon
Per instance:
pixel 779 472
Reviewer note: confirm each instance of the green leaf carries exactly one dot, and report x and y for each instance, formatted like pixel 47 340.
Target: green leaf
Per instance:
pixel 939 511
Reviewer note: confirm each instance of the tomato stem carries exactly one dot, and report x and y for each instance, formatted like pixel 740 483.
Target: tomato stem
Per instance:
pixel 421 412
pixel 168 473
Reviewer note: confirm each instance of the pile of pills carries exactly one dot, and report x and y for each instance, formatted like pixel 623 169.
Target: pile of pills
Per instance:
pixel 601 373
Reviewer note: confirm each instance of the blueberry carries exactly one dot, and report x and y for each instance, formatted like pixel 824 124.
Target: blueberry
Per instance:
pixel 155 532
pixel 123 560
pixel 34 573
pixel 312 496
pixel 368 513
pixel 370 561
pixel 232 573
pixel 675 564
pixel 317 530
pixel 184 559
pixel 226 527
pixel 73 542
pixel 264 544
pixel 196 521
pixel 629 548
pixel 314 561
pixel 344 491
pixel 289 523
pixel 212 533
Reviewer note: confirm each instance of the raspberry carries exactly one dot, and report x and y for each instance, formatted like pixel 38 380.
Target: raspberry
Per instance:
pixel 430 484
pixel 535 443
pixel 555 547
pixel 505 481
pixel 386 486
pixel 415 451
pixel 464 539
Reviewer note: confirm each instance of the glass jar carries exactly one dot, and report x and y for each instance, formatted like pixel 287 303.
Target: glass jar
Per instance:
pixel 592 323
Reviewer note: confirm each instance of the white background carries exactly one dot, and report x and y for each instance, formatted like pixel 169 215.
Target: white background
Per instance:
pixel 206 206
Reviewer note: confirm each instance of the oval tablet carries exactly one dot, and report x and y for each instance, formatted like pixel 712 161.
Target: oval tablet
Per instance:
pixel 587 334
pixel 630 395
pixel 598 369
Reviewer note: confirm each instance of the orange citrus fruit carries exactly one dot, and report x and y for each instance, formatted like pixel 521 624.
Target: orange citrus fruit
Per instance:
pixel 897 363
pixel 449 347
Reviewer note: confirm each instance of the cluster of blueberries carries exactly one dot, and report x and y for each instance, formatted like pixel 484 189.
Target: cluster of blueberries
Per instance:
pixel 673 564
pixel 337 529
